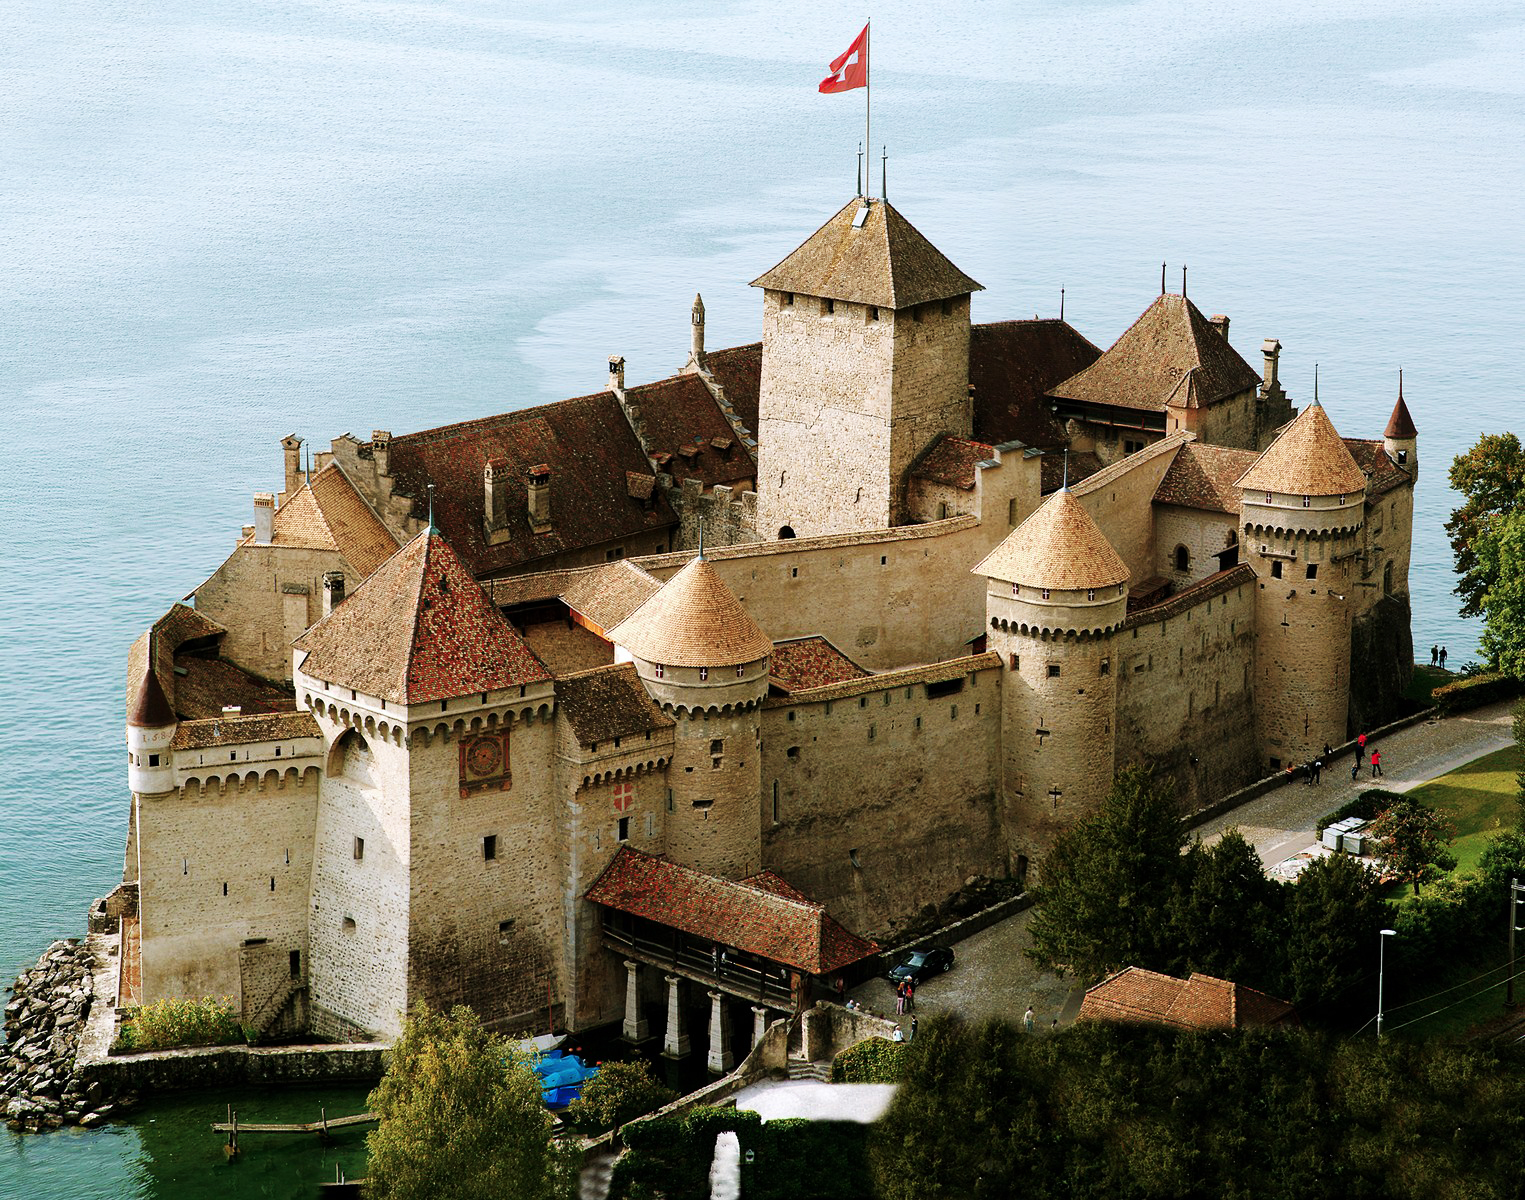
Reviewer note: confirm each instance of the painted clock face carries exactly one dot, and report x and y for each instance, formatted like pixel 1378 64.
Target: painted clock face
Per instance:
pixel 484 756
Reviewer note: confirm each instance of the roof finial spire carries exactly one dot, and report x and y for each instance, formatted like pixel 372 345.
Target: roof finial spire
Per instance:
pixel 701 539
pixel 884 173
pixel 1183 281
pixel 1061 304
pixel 309 466
pixel 432 528
pixel 1315 383
pixel 860 168
pixel 1065 486
pixel 1400 383
pixel 1162 279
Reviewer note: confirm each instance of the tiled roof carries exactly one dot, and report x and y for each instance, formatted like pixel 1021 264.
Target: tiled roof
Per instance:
pixel 886 262
pixel 1012 367
pixel 329 514
pixel 1058 546
pixel 938 672
pixel 420 628
pixel 180 626
pixel 605 595
pixel 809 662
pixel 1382 473
pixel 1054 469
pixel 693 621
pixel 151 709
pixel 590 449
pixel 1307 458
pixel 608 702
pixel 951 460
pixel 1219 583
pixel 738 371
pixel 205 686
pixel 1400 425
pixel 1145 367
pixel 761 915
pixel 679 417
pixel 1137 996
pixel 241 730
pixel 1205 477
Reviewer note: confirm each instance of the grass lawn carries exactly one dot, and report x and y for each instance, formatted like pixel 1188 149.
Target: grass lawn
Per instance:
pixel 1479 798
pixel 1426 680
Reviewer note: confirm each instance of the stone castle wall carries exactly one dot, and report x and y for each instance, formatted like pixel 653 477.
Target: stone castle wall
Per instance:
pixel 267 597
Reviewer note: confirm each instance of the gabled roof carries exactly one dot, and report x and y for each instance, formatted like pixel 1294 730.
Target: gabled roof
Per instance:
pixel 694 621
pixel 1137 996
pixel 1308 459
pixel 1205 477
pixel 608 702
pixel 1146 367
pixel 420 628
pixel 156 649
pixel 738 371
pixel 1012 366
pixel 1400 425
pixel 603 595
pixel 1058 546
pixel 679 417
pixel 951 461
pixel 329 514
pixel 809 662
pixel 762 915
pixel 886 262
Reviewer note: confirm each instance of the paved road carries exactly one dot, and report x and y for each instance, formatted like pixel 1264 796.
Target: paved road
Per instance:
pixel 992 976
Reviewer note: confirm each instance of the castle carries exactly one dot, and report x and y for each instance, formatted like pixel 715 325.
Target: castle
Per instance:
pixel 468 715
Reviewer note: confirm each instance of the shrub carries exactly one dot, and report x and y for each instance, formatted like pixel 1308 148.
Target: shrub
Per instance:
pixel 876 1060
pixel 620 1092
pixel 1366 806
pixel 171 1024
pixel 1474 691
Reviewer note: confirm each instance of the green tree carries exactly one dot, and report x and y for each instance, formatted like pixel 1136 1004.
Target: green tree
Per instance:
pixel 1412 840
pixel 1230 919
pixel 1500 552
pixel 620 1092
pixel 1333 914
pixel 1491 475
pixel 461 1118
pixel 1109 883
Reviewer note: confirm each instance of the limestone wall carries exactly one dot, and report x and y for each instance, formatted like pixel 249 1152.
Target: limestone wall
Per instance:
pixel 1120 499
pixel 1204 534
pixel 266 597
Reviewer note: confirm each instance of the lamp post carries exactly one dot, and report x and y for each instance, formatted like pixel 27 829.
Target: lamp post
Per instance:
pixel 1381 970
pixel 1515 888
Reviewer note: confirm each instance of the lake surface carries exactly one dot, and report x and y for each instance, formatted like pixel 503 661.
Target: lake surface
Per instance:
pixel 224 222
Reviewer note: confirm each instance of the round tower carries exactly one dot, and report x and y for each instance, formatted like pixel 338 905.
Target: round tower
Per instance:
pixel 150 730
pixel 705 661
pixel 1304 504
pixel 1057 592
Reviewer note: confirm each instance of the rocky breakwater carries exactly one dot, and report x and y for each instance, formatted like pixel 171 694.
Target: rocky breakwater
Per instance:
pixel 44 1019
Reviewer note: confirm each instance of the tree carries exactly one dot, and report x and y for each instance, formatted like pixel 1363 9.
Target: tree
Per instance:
pixel 1333 914
pixel 1109 883
pixel 620 1092
pixel 461 1118
pixel 1491 475
pixel 1500 555
pixel 1229 922
pixel 1411 840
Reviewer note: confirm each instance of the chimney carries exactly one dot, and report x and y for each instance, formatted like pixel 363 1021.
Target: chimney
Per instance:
pixel 494 494
pixel 617 374
pixel 538 486
pixel 264 518
pixel 696 346
pixel 381 451
pixel 1271 348
pixel 1220 322
pixel 292 445
pixel 333 590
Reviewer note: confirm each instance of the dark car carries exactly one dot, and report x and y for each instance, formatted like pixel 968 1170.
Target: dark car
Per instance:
pixel 919 965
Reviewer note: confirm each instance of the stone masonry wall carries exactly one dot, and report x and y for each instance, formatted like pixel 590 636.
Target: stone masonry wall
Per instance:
pixel 251 595
pixel 1120 500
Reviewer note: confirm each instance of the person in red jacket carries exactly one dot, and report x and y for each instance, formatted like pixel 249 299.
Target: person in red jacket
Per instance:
pixel 1376 762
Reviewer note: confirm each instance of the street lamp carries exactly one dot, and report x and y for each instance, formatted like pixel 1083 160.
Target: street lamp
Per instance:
pixel 1381 968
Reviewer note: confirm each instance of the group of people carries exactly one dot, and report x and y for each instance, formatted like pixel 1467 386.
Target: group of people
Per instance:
pixel 1438 657
pixel 905 996
pixel 1374 757
pixel 1312 772
pixel 899 1036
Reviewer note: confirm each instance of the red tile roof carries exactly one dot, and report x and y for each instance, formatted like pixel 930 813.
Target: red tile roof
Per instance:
pixel 1382 473
pixel 809 662
pixel 608 702
pixel 738 371
pixel 1400 425
pixel 1012 366
pixel 951 461
pixel 1205 477
pixel 679 416
pixel 762 915
pixel 1137 996
pixel 420 628
pixel 245 728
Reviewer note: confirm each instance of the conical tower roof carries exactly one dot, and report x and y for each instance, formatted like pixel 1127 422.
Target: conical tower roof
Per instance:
pixel 1400 425
pixel 694 621
pixel 420 628
pixel 151 709
pixel 884 262
pixel 1059 546
pixel 1308 459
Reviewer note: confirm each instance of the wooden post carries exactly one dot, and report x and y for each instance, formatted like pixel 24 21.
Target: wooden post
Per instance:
pixel 323 1116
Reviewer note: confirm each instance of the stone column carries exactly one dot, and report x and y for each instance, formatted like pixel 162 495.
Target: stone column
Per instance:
pixel 759 1023
pixel 636 1028
pixel 676 1043
pixel 720 1060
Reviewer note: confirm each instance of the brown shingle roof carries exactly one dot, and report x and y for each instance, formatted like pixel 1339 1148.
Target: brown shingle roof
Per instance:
pixel 180 626
pixel 1205 477
pixel 1400 424
pixel 1382 473
pixel 1012 367
pixel 329 514
pixel 1308 459
pixel 420 628
pixel 608 702
pixel 205 686
pixel 1137 996
pixel 1145 367
pixel 762 915
pixel 693 621
pixel 151 709
pixel 951 461
pixel 738 371
pixel 810 662
pixel 605 595
pixel 240 730
pixel 679 414
pixel 1059 546
pixel 886 262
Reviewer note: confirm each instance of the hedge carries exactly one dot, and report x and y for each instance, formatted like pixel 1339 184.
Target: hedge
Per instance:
pixel 1366 806
pixel 877 1060
pixel 172 1024
pixel 1462 695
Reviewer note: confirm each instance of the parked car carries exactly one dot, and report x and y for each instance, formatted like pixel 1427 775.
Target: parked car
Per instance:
pixel 918 965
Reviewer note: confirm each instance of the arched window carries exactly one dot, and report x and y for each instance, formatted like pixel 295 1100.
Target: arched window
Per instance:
pixel 786 531
pixel 1183 559
pixel 351 758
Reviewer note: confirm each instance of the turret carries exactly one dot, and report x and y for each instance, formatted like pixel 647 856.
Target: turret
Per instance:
pixel 151 728
pixel 705 661
pixel 696 345
pixel 1400 439
pixel 1057 591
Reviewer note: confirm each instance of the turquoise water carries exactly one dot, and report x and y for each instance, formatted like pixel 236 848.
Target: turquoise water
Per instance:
pixel 222 222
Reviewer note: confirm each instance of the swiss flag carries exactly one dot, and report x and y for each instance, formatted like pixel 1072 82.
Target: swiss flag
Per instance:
pixel 849 69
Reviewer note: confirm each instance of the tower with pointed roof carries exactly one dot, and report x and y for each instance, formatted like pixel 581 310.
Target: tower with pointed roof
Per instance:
pixel 1302 521
pixel 865 361
pixel 150 729
pixel 1056 594
pixel 705 661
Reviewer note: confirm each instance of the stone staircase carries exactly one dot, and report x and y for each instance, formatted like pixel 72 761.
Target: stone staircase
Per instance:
pixel 272 1008
pixel 803 1068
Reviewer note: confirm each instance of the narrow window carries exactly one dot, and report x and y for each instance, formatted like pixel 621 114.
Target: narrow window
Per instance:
pixel 739 671
pixel 359 848
pixel 1305 501
pixel 1276 569
pixel 272 883
pixel 918 722
pixel 794 572
pixel 873 312
pixel 775 802
pixel 717 745
pixel 1183 559
pixel 294 964
pixel 1016 589
pixel 704 673
pixel 1090 593
pixel 349 924
pixel 505 931
pixel 953 712
pixel 669 800
pixel 1053 670
pixel 1313 570
pixel 862 701
pixel 873 732
pixel 789 298
pixel 1106 666
pixel 1011 511
pixel 947 308
pixel 185 866
pixel 624 829
pixel 828 307
pixel 1016 662
pixel 1045 593
pixel 661 671
pixel 791 714
pixel 942 511
pixel 224 889
pixel 490 847
pixel 852 857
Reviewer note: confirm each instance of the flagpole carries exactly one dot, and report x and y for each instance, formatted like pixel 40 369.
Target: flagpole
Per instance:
pixel 868 91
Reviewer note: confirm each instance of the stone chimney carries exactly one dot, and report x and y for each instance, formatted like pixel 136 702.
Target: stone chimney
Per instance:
pixel 495 495
pixel 538 488
pixel 1269 385
pixel 264 518
pixel 1220 322
pixel 617 374
pixel 333 590
pixel 381 451
pixel 292 445
pixel 696 345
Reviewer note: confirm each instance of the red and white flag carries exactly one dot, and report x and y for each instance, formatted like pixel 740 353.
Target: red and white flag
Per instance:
pixel 849 69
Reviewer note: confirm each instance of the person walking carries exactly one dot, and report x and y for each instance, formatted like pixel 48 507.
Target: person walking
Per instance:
pixel 1442 658
pixel 1376 762
pixel 1318 771
pixel 900 999
pixel 1355 769
pixel 1027 1019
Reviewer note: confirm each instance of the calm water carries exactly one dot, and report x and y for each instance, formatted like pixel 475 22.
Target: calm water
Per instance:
pixel 221 222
